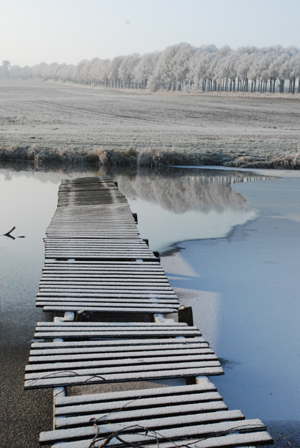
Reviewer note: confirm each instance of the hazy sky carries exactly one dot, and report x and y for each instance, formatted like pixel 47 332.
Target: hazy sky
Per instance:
pixel 34 31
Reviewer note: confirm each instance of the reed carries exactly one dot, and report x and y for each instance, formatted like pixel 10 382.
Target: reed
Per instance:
pixel 151 158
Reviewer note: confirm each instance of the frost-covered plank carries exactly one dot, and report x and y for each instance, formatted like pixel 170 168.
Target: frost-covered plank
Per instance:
pixel 233 440
pixel 121 354
pixel 117 325
pixel 50 354
pixel 133 366
pixel 71 269
pixel 137 414
pixel 102 242
pixel 133 396
pixel 108 293
pixel 155 271
pixel 115 343
pixel 143 406
pixel 143 265
pixel 122 330
pixel 69 253
pixel 90 304
pixel 251 440
pixel 142 301
pixel 131 360
pixel 104 301
pixel 146 265
pixel 141 435
pixel 102 278
pixel 108 309
pixel 198 416
pixel 96 378
pixel 88 296
pixel 77 243
pixel 100 256
pixel 105 286
pixel 65 334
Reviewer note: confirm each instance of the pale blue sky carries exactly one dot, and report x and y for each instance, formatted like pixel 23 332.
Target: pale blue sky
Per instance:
pixel 34 31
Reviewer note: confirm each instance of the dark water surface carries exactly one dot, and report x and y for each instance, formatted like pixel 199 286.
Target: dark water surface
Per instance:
pixel 239 269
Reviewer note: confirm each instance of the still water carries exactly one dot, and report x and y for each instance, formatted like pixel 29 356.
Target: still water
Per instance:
pixel 230 245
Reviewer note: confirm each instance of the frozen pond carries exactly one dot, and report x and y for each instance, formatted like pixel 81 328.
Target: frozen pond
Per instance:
pixel 230 246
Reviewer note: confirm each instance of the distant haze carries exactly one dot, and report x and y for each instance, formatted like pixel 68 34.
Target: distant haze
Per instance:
pixel 67 31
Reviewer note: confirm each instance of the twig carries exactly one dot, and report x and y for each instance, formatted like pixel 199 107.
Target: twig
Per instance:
pixel 282 436
pixel 56 373
pixel 118 410
pixel 157 435
pixel 8 234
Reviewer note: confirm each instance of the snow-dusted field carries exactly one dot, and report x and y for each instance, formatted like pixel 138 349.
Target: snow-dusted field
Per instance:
pixel 51 115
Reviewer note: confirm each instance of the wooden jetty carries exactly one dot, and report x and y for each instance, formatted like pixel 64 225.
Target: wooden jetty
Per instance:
pixel 97 263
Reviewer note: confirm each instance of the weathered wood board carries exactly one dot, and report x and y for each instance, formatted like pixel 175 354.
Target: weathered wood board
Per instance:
pixel 172 416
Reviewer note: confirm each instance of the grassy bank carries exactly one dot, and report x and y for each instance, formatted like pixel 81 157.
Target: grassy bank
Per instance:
pixel 62 157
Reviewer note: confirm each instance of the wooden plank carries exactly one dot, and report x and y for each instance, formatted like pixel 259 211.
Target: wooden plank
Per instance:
pixel 144 433
pixel 45 332
pixel 85 345
pixel 102 296
pixel 206 360
pixel 143 304
pixel 108 309
pixel 99 298
pixel 98 279
pixel 182 326
pixel 93 287
pixel 136 352
pixel 158 424
pixel 135 367
pixel 72 267
pixel 211 402
pixel 103 264
pixel 216 441
pixel 90 256
pixel 98 376
pixel 107 291
pixel 132 397
pixel 108 241
pixel 102 334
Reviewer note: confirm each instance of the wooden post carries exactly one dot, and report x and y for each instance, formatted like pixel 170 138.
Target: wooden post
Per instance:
pixel 185 314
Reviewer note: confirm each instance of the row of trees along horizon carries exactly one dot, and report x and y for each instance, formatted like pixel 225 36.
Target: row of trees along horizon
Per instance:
pixel 180 67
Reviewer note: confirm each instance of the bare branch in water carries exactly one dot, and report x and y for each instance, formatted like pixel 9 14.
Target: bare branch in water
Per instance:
pixel 8 234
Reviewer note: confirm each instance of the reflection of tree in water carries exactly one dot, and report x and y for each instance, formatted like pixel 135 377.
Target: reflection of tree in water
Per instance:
pixel 183 190
pixel 176 190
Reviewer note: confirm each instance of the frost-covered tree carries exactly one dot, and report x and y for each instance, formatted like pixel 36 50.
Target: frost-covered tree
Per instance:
pixel 164 74
pixel 126 69
pixel 145 68
pixel 113 71
pixel 180 64
pixel 5 68
pixel 205 68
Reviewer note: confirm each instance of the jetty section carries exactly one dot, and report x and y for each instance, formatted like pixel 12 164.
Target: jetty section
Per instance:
pixel 98 266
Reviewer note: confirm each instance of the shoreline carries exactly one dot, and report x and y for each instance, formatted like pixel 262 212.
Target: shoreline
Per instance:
pixel 44 158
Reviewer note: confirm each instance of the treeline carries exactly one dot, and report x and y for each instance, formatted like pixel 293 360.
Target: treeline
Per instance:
pixel 180 67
